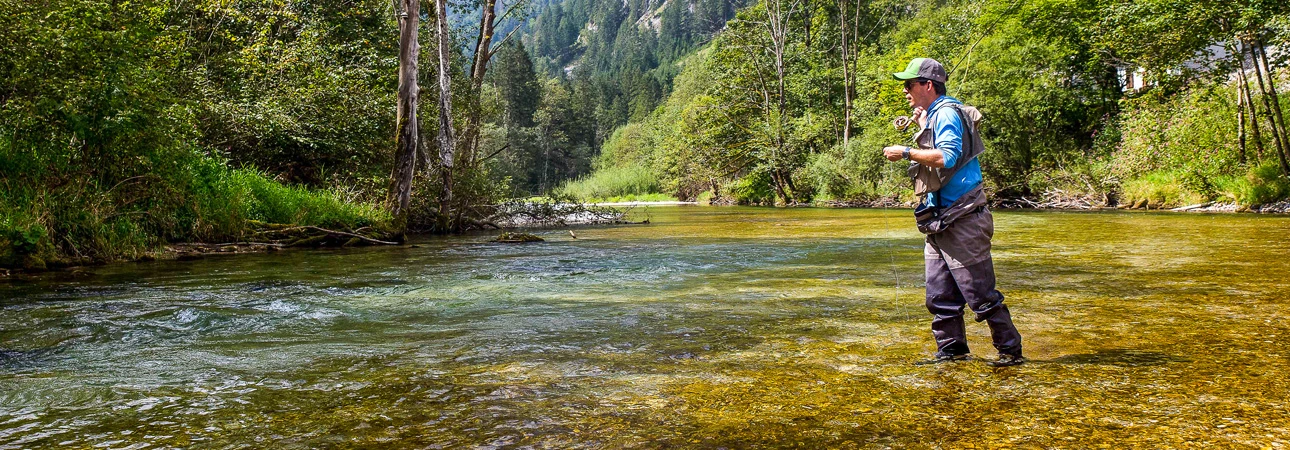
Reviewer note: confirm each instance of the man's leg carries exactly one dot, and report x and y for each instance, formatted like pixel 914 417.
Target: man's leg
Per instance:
pixel 945 302
pixel 976 282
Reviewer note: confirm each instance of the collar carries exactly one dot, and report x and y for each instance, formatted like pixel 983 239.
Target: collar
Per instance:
pixel 938 102
pixel 931 109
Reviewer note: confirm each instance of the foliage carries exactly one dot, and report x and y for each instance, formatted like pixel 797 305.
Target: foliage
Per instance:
pixel 1160 190
pixel 1044 73
pixel 1262 185
pixel 623 56
pixel 1182 148
pixel 118 123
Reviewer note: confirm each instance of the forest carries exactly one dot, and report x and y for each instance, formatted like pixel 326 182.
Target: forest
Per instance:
pixel 128 126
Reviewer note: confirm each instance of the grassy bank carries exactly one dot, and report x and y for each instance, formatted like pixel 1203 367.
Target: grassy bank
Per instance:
pixel 616 184
pixel 75 219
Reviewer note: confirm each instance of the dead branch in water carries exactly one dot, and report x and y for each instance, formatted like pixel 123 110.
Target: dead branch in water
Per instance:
pixel 288 235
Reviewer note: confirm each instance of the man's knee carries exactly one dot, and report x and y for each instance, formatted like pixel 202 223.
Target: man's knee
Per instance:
pixel 988 307
pixel 944 303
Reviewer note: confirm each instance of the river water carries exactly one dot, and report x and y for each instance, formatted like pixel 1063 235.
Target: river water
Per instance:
pixel 707 328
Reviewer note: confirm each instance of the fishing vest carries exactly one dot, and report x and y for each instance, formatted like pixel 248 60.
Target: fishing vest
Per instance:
pixel 931 179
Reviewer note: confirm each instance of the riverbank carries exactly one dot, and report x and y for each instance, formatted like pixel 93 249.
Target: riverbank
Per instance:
pixel 196 251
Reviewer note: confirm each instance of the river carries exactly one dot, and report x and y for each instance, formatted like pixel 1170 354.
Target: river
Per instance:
pixel 707 328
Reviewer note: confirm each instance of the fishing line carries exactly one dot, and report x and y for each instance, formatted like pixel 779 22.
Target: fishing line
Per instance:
pixel 895 273
pixel 901 123
pixel 988 29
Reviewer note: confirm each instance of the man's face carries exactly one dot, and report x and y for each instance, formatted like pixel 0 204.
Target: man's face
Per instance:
pixel 919 93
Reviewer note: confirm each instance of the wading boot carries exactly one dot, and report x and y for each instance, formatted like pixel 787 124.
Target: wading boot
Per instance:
pixel 1007 360
pixel 944 357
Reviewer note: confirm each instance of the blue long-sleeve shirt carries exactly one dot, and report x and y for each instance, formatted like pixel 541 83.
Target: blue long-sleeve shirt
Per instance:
pixel 948 136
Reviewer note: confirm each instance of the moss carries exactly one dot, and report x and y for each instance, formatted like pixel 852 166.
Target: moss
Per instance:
pixel 33 263
pixel 516 237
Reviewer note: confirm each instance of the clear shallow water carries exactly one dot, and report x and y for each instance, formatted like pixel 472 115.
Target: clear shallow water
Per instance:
pixel 709 328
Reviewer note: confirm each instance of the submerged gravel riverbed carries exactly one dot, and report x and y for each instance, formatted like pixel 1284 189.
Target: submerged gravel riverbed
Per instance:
pixel 707 328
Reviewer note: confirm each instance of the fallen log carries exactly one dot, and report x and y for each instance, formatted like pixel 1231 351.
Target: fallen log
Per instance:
pixel 1191 207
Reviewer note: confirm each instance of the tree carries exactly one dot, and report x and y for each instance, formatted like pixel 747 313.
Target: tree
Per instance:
pixel 483 54
pixel 518 84
pixel 446 138
pixel 406 136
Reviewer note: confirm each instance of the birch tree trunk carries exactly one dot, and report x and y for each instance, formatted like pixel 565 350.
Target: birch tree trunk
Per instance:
pixel 1240 107
pixel 1267 102
pixel 447 142
pixel 407 134
pixel 846 76
pixel 1249 103
pixel 777 24
pixel 1275 114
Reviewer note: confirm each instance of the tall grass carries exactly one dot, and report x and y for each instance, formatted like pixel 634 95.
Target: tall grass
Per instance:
pixel 200 200
pixel 619 183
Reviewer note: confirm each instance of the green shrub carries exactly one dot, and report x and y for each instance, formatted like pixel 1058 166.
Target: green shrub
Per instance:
pixel 753 189
pixel 196 198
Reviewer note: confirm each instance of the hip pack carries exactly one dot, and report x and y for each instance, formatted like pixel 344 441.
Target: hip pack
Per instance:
pixel 932 219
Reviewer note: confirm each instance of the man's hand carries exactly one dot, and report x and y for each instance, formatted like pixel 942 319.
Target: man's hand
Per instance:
pixel 920 116
pixel 929 157
pixel 894 152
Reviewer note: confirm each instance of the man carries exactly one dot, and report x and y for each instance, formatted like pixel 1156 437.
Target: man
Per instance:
pixel 959 268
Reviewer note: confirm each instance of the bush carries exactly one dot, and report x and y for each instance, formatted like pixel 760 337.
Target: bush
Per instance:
pixel 1159 190
pixel 753 189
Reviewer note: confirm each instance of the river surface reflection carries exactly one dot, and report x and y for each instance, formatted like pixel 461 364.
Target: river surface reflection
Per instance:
pixel 707 328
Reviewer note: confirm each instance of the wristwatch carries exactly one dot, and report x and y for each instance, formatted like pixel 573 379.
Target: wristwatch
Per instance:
pixel 905 154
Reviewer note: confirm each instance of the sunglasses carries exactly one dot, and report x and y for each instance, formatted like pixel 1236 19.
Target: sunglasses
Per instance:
pixel 909 84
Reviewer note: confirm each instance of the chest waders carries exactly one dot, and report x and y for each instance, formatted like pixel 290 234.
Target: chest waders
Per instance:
pixel 959 269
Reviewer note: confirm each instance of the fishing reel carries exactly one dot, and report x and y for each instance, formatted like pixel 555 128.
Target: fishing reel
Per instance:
pixel 902 123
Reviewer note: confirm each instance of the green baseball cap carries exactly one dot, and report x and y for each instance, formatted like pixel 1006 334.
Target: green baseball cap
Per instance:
pixel 923 68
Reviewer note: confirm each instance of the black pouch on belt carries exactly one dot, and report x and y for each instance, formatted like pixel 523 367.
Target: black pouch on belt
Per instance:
pixel 932 220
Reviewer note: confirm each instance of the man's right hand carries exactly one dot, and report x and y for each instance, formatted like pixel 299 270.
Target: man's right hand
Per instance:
pixel 920 116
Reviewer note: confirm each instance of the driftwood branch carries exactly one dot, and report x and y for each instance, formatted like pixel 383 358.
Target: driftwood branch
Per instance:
pixel 337 233
pixel 289 235
pixel 202 244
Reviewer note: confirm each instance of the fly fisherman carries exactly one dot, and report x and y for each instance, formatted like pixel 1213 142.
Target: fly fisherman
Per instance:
pixel 954 217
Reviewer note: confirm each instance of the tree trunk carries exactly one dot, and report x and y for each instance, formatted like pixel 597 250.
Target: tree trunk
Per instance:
pixel 407 134
pixel 777 27
pixel 1249 103
pixel 779 186
pixel 1267 102
pixel 1240 109
pixel 478 68
pixel 846 76
pixel 1276 109
pixel 791 189
pixel 447 142
pixel 1240 126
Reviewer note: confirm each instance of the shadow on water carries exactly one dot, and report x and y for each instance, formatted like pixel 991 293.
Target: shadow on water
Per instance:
pixel 1120 357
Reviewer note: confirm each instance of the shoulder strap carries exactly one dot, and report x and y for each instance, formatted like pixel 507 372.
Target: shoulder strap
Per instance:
pixel 968 145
